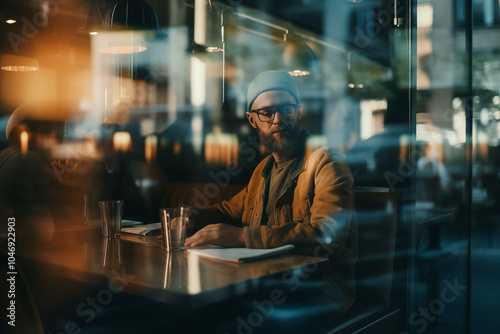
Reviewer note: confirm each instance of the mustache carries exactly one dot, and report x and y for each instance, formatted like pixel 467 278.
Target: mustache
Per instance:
pixel 281 128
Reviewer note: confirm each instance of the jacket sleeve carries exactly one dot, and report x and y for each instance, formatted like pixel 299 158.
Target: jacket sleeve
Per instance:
pixel 230 211
pixel 331 210
pixel 227 212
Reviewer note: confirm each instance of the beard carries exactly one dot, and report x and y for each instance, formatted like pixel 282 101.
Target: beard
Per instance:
pixel 283 142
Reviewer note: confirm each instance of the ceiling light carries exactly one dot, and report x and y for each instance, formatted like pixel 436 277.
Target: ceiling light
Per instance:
pixel 10 21
pixel 93 21
pixel 20 57
pixel 16 63
pixel 299 73
pixel 299 59
pixel 213 49
pixel 122 42
pixel 208 27
pixel 126 17
pixel 131 15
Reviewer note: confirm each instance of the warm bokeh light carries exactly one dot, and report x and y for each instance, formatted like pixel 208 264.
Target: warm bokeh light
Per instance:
pixel 24 142
pixel 213 49
pixel 17 63
pixel 221 148
pixel 298 73
pixel 482 146
pixel 122 141
pixel 20 68
pixel 150 148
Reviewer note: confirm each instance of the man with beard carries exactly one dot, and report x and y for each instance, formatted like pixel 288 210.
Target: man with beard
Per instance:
pixel 290 199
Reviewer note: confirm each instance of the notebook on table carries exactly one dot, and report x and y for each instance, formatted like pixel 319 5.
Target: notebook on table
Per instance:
pixel 240 254
pixel 146 230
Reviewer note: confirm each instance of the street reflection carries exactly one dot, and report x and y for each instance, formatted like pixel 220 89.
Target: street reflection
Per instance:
pixel 416 113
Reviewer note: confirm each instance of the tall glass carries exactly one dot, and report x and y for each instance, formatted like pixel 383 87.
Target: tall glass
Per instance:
pixel 173 224
pixel 111 218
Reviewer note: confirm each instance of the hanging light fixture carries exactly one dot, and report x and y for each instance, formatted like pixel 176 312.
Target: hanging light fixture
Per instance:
pixel 208 26
pixel 93 21
pixel 298 58
pixel 208 37
pixel 17 56
pixel 123 42
pixel 128 16
pixel 131 15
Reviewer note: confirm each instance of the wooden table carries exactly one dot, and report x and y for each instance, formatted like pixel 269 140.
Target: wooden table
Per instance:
pixel 141 266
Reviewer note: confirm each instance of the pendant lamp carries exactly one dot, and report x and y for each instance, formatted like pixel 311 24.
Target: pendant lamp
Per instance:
pixel 129 17
pixel 299 59
pixel 208 26
pixel 93 21
pixel 17 53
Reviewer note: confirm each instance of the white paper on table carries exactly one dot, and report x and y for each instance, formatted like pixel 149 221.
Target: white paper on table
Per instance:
pixel 146 230
pixel 239 254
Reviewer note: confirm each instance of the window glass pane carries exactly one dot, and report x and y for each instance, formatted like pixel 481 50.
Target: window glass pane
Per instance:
pixel 441 166
pixel 153 109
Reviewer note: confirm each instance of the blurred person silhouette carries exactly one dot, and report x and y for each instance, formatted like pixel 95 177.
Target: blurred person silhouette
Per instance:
pixel 341 125
pixel 178 148
pixel 124 174
pixel 33 197
pixel 28 183
pixel 430 168
pixel 433 180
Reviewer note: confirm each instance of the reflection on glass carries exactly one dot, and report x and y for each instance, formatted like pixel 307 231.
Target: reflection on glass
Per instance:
pixel 122 141
pixel 166 269
pixel 151 115
pixel 111 254
pixel 24 142
pixel 194 275
pixel 151 147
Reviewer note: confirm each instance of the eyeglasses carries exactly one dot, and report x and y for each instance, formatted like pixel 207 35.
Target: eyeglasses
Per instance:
pixel 287 111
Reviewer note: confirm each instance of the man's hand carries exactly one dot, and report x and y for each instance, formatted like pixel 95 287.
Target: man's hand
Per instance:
pixel 217 234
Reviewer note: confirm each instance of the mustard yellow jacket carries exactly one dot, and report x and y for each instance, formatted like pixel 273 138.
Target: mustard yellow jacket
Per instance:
pixel 315 212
